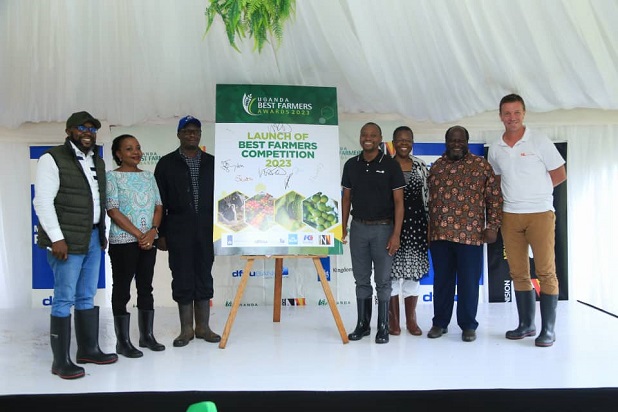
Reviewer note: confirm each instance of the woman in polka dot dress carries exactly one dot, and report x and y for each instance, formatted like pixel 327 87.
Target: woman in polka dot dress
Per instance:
pixel 411 262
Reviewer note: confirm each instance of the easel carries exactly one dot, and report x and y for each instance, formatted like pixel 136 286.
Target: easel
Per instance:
pixel 277 294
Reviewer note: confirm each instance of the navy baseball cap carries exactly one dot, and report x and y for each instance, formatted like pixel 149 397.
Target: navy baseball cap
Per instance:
pixel 188 120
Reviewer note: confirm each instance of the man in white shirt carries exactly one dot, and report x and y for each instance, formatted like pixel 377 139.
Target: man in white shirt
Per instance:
pixel 529 167
pixel 69 202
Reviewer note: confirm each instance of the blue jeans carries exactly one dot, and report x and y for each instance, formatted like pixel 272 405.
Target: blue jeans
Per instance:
pixel 75 279
pixel 367 250
pixel 456 263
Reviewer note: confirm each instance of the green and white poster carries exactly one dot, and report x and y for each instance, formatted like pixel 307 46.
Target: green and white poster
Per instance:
pixel 277 185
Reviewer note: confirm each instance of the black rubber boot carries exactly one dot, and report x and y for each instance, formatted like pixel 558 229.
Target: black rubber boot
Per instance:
pixel 123 340
pixel 547 337
pixel 145 321
pixel 526 305
pixel 185 311
pixel 60 340
pixel 382 334
pixel 202 318
pixel 87 334
pixel 363 308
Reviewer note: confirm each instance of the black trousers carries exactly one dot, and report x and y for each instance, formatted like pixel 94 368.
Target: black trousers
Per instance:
pixel 128 262
pixel 190 259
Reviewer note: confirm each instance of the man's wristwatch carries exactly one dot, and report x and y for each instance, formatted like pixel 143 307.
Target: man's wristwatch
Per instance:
pixel 156 228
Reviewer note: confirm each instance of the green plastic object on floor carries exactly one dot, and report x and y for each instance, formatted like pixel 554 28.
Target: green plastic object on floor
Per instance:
pixel 206 406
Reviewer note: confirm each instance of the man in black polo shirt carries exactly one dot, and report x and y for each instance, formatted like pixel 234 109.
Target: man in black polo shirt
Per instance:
pixel 372 185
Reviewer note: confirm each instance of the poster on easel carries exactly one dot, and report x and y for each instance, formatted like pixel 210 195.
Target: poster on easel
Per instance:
pixel 277 189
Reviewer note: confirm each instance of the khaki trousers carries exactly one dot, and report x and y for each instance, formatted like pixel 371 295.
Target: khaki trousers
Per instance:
pixel 537 230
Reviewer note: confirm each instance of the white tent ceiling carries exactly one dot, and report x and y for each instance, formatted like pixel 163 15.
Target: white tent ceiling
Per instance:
pixel 137 61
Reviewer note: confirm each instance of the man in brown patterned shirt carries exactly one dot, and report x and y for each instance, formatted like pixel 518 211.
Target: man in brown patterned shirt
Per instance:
pixel 465 211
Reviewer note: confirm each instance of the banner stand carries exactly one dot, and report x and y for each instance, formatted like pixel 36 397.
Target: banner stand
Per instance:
pixel 277 293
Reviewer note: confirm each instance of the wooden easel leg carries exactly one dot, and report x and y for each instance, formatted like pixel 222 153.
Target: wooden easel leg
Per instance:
pixel 278 285
pixel 232 316
pixel 331 300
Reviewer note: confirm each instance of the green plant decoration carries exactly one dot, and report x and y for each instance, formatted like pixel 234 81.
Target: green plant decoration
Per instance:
pixel 259 19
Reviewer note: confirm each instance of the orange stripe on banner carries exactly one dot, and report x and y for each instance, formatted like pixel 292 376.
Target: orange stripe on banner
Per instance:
pixel 300 301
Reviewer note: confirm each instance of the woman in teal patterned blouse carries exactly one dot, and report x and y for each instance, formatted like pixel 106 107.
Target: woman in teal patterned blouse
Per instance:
pixel 135 208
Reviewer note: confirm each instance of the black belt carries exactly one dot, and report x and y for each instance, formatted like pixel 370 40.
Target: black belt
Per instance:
pixel 94 226
pixel 374 222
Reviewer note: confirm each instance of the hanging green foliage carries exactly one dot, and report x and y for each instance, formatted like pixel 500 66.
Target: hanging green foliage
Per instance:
pixel 260 19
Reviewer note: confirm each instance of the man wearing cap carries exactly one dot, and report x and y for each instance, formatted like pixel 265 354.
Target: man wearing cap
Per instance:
pixel 69 202
pixel 186 182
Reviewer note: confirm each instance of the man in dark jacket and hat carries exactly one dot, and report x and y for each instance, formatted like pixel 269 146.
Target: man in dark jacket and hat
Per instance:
pixel 186 180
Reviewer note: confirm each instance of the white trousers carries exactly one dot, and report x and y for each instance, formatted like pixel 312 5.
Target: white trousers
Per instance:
pixel 407 287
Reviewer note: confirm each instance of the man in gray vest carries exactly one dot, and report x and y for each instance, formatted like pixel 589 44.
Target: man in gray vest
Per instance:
pixel 69 202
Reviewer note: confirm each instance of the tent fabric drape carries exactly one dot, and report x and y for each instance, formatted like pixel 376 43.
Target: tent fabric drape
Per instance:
pixel 429 60
pixel 15 229
pixel 592 203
